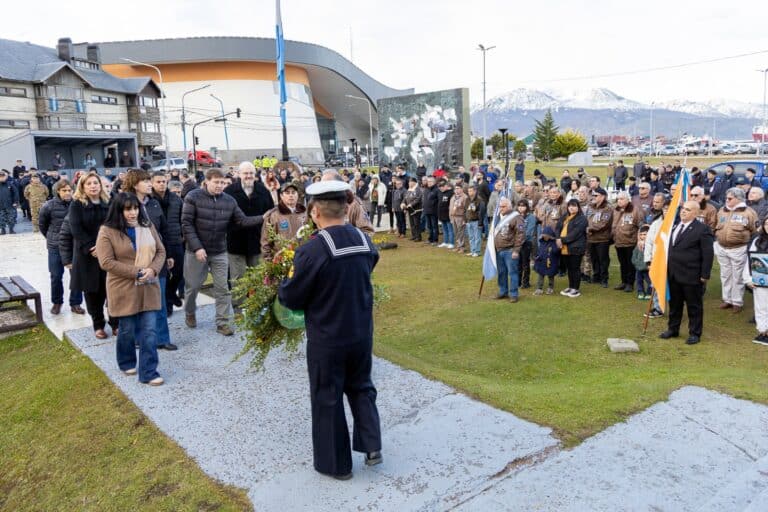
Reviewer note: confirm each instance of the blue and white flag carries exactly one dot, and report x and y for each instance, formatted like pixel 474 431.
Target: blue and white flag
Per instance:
pixel 489 259
pixel 280 63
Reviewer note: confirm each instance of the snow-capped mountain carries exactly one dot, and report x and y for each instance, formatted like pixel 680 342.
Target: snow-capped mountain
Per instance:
pixel 601 111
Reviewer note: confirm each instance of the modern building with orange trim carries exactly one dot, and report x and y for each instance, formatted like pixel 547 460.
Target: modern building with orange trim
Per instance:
pixel 240 72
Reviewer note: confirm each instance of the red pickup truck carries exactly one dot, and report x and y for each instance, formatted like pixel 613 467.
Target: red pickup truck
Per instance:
pixel 204 159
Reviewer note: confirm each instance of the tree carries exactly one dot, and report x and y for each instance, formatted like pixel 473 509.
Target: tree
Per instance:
pixel 520 148
pixel 476 150
pixel 569 142
pixel 545 133
pixel 497 141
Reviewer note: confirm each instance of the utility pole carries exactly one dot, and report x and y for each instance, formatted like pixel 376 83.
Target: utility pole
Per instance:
pixel 184 118
pixel 761 147
pixel 650 150
pixel 484 50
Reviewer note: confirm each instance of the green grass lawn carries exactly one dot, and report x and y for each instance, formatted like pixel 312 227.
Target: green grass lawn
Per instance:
pixel 545 358
pixel 69 440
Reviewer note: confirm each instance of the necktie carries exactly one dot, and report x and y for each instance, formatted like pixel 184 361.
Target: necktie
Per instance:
pixel 677 234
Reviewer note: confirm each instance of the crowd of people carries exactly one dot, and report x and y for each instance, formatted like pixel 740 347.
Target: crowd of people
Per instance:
pixel 152 238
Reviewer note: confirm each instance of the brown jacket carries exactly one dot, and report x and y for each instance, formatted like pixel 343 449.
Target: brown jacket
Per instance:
pixel 284 223
pixel 458 205
pixel 600 223
pixel 626 223
pixel 643 204
pixel 708 215
pixel 116 256
pixel 735 227
pixel 511 235
pixel 358 218
pixel 549 214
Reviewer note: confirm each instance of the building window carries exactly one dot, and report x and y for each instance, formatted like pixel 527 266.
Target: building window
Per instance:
pixel 84 64
pixel 146 101
pixel 80 106
pixel 13 91
pixel 11 123
pixel 111 100
pixel 150 127
pixel 107 127
pixel 53 104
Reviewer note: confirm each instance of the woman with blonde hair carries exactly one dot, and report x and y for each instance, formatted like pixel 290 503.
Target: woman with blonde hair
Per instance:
pixel 87 212
pixel 132 254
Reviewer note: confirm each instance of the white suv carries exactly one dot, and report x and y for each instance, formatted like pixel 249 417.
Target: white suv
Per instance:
pixel 174 164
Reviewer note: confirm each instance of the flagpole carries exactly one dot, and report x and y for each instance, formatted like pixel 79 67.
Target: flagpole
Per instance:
pixel 280 62
pixel 482 281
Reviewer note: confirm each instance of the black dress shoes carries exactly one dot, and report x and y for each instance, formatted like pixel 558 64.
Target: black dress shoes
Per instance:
pixel 168 346
pixel 692 340
pixel 668 334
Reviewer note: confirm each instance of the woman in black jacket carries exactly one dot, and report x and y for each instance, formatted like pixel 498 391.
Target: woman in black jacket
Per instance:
pixel 86 215
pixel 571 234
pixel 51 217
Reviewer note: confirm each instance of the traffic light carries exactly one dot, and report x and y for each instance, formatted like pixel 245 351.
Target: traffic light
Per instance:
pixel 197 140
pixel 238 113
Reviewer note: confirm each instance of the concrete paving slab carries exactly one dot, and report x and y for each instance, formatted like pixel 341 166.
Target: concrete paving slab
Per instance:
pixel 664 458
pixel 253 429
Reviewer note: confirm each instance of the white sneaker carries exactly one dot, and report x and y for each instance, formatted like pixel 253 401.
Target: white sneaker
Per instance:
pixel 566 292
pixel 475 255
pixel 574 294
pixel 157 381
pixel 130 371
pixel 449 246
pixel 442 245
pixel 470 255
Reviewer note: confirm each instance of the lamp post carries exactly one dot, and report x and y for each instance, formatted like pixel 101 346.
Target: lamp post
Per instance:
pixel 650 150
pixel 184 117
pixel 370 123
pixel 217 118
pixel 221 103
pixel 764 127
pixel 162 99
pixel 484 49
pixel 506 150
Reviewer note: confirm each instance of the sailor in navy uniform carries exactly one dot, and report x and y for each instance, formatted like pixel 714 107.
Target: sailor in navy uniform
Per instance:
pixel 331 282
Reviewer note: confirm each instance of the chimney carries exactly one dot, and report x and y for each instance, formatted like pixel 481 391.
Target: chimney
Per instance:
pixel 94 53
pixel 65 49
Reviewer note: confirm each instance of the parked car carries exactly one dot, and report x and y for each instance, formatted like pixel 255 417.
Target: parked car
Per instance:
pixel 667 150
pixel 204 159
pixel 740 167
pixel 746 149
pixel 173 164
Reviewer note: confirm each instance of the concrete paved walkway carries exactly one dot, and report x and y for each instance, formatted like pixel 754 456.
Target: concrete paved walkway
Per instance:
pixel 699 451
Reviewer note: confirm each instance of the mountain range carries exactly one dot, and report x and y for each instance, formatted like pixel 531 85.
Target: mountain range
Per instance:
pixel 603 112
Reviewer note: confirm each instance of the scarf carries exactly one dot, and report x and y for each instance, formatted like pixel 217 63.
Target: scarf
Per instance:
pixel 145 246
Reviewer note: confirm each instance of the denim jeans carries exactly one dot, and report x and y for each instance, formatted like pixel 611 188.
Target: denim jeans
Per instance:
pixel 163 335
pixel 139 327
pixel 448 237
pixel 432 227
pixel 473 233
pixel 56 269
pixel 509 279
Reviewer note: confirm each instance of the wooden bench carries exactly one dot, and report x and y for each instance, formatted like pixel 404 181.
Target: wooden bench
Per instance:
pixel 15 288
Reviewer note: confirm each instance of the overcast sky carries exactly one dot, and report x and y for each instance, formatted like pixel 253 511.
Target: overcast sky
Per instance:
pixel 431 44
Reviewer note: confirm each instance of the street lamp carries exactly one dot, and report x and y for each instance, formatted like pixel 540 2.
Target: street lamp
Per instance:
pixel 226 135
pixel 184 117
pixel 370 123
pixel 764 127
pixel 484 50
pixel 162 99
pixel 650 149
pixel 506 150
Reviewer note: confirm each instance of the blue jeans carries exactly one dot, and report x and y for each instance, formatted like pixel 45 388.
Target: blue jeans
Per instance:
pixel 448 237
pixel 163 335
pixel 509 279
pixel 139 327
pixel 56 269
pixel 473 233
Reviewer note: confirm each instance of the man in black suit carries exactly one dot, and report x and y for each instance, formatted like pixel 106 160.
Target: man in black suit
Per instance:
pixel 688 269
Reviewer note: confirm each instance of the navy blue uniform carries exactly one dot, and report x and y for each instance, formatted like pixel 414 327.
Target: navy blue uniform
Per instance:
pixel 332 284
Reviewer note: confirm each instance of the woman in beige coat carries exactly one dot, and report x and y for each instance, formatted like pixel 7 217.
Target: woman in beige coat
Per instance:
pixel 130 251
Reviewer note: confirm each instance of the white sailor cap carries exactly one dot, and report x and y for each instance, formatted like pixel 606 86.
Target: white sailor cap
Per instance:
pixel 328 190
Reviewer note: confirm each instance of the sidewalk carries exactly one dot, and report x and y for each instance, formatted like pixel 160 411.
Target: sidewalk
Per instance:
pixel 442 450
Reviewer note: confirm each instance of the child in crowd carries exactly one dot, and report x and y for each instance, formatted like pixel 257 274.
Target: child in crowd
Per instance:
pixel 642 279
pixel 547 261
pixel 755 275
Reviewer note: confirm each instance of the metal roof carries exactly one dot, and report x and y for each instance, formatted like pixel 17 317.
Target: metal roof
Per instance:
pixel 260 49
pixel 27 62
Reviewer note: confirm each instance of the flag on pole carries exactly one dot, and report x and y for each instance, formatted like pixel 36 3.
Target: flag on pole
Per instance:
pixel 658 270
pixel 280 62
pixel 489 258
